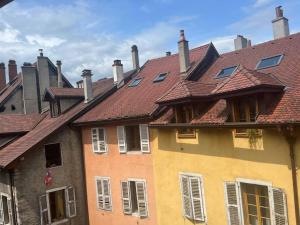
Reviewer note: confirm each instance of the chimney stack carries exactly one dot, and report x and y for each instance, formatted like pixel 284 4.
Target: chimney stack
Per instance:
pixel 79 84
pixel 184 55
pixel 135 57
pixel 280 24
pixel 12 70
pixel 2 76
pixel 87 85
pixel 59 74
pixel 241 42
pixel 118 71
pixel 168 53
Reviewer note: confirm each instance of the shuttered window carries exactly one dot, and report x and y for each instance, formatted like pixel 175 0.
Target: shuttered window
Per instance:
pixel 144 135
pixel 5 209
pixel 232 204
pixel 99 140
pixel 103 193
pixel 44 210
pixel 71 201
pixel 121 139
pixel 280 208
pixel 192 197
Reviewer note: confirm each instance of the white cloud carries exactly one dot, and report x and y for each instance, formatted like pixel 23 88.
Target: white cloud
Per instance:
pixel 222 44
pixel 9 34
pixel 47 42
pixel 260 3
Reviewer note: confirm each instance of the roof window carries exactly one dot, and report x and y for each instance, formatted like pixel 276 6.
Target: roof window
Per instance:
pixel 269 62
pixel 226 72
pixel 160 77
pixel 135 82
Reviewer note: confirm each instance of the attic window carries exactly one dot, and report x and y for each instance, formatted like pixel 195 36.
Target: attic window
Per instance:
pixel 160 77
pixel 135 82
pixel 226 72
pixel 269 62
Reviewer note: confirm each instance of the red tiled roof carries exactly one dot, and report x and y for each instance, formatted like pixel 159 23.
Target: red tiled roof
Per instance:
pixel 57 92
pixel 139 101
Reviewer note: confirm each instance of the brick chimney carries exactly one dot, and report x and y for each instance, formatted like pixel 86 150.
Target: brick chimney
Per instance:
pixel 2 76
pixel 135 57
pixel 280 24
pixel 241 42
pixel 118 71
pixel 183 50
pixel 12 70
pixel 59 74
pixel 87 85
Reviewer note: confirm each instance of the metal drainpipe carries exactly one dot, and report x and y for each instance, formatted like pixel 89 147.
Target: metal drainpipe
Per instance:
pixel 11 181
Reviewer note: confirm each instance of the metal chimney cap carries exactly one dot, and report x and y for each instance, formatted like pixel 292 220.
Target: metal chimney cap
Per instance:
pixel 117 62
pixel 86 73
pixel 134 48
pixel 58 62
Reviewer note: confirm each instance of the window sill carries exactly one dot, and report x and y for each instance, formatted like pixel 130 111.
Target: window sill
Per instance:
pixel 193 135
pixel 60 222
pixel 256 134
pixel 136 152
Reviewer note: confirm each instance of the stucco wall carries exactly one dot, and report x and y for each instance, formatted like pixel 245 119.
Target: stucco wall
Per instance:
pixel 17 100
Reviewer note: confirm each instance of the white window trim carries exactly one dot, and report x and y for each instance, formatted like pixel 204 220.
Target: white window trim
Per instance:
pixel 61 155
pixel 111 201
pixel 105 140
pixel 9 200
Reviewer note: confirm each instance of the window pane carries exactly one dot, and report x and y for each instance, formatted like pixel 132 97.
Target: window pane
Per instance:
pixel 160 77
pixel 134 203
pixel 53 155
pixel 253 220
pixel 268 62
pixel 57 205
pixel 226 72
pixel 5 209
pixel 135 82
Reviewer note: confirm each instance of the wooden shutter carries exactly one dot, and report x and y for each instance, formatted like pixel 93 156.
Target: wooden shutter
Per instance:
pixel 197 198
pixel 106 194
pixel 71 201
pixel 232 203
pixel 122 139
pixel 144 136
pixel 186 199
pixel 95 140
pixel 1 211
pixel 44 210
pixel 126 197
pixel 100 197
pixel 102 140
pixel 279 207
pixel 9 207
pixel 141 198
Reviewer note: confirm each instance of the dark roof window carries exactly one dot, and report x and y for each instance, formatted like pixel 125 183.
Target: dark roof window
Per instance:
pixel 226 72
pixel 160 77
pixel 269 62
pixel 135 82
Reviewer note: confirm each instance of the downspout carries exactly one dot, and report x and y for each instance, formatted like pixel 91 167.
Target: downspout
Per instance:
pixel 13 200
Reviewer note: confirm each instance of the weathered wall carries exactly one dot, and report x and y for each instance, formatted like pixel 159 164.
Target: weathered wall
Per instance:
pixel 65 104
pixel 17 100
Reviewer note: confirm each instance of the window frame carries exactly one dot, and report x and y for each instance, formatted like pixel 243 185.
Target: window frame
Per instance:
pixel 101 178
pixel 158 80
pixel 220 71
pixel 139 80
pixel 98 140
pixel 179 134
pixel 265 67
pixel 61 155
pixel 9 208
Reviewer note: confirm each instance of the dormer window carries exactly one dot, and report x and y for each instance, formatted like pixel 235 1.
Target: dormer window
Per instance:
pixel 185 114
pixel 135 82
pixel 226 72
pixel 269 62
pixel 55 108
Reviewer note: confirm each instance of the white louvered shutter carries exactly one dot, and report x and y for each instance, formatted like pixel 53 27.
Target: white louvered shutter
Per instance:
pixel 106 194
pixel 186 199
pixel 44 210
pixel 144 136
pixel 102 140
pixel 9 207
pixel 71 201
pixel 122 139
pixel 141 198
pixel 279 207
pixel 232 203
pixel 197 198
pixel 126 197
pixel 1 211
pixel 100 197
pixel 95 140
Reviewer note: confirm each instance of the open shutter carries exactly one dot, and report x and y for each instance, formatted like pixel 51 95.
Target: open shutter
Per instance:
pixel 9 207
pixel 232 203
pixel 144 135
pixel 1 211
pixel 197 198
pixel 44 210
pixel 102 140
pixel 279 206
pixel 95 140
pixel 122 139
pixel 71 201
pixel 106 194
pixel 100 197
pixel 126 197
pixel 186 199
pixel 142 198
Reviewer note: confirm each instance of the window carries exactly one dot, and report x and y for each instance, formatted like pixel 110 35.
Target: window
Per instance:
pixel 192 197
pixel 133 138
pixel 251 203
pixel 103 193
pixel 13 107
pixel 57 205
pixel 135 82
pixel 53 155
pixel 184 114
pixel 226 72
pixel 134 198
pixel 99 140
pixel 269 62
pixel 5 210
pixel 160 77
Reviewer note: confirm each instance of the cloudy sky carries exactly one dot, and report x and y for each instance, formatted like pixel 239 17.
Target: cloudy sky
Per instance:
pixel 92 33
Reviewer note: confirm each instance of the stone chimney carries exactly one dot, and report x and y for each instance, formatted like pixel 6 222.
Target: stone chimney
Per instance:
pixel 12 70
pixel 59 74
pixel 79 84
pixel 183 51
pixel 280 24
pixel 241 42
pixel 168 53
pixel 2 76
pixel 118 71
pixel 87 85
pixel 135 57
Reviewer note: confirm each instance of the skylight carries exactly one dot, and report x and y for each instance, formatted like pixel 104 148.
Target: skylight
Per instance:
pixel 269 62
pixel 135 82
pixel 160 77
pixel 226 72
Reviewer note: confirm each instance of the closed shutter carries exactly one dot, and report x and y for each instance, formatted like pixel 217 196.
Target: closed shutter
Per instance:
pixel 102 140
pixel 141 198
pixel 232 203
pixel 44 210
pixel 106 194
pixel 122 139
pixel 126 197
pixel 1 211
pixel 95 140
pixel 71 201
pixel 279 206
pixel 144 135
pixel 100 197
pixel 186 200
pixel 197 198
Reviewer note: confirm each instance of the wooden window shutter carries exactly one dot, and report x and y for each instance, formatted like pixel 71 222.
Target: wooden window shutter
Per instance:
pixel 126 197
pixel 142 198
pixel 106 194
pixel 197 198
pixel 232 203
pixel 186 200
pixel 122 139
pixel 102 140
pixel 1 211
pixel 9 207
pixel 71 201
pixel 95 140
pixel 144 135
pixel 100 198
pixel 44 210
pixel 279 207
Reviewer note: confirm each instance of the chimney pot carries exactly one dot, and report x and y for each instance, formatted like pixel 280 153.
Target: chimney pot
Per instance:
pixel 79 84
pixel 2 76
pixel 59 74
pixel 135 57
pixel 118 72
pixel 280 24
pixel 279 11
pixel 41 52
pixel 12 70
pixel 27 64
pixel 184 55
pixel 87 85
pixel 168 53
pixel 241 42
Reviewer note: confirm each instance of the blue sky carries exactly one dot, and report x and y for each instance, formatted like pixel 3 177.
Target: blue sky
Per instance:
pixel 92 33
